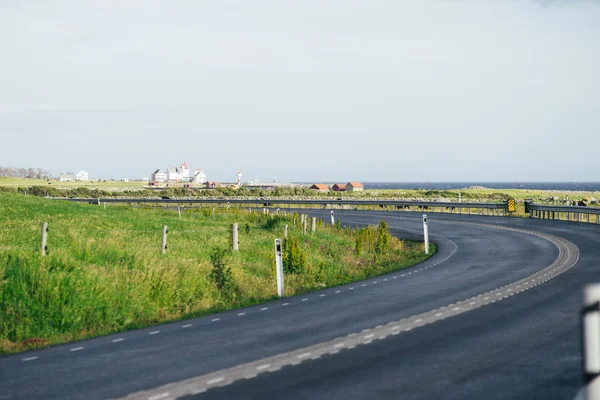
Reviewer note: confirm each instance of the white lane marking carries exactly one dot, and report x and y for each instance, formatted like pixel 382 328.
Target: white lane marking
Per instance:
pixel 240 314
pixel 472 303
pixel 363 285
pixel 153 332
pixel 215 319
pixel 286 304
pixel 438 314
pixel 216 380
pixel 76 348
pixel 159 396
pixel 30 358
pixel 264 366
pixel 322 295
pixel 118 340
pixel 337 346
pixel 337 291
pixel 264 309
pixel 418 320
pixel 456 308
pixel 186 325
pixel 395 327
pixel 351 288
pixel 375 282
pixel 303 355
pixel 369 336
pixel 304 299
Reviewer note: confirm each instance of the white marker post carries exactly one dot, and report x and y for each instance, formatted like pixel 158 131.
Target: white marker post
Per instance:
pixel 332 218
pixel 459 198
pixel 426 233
pixel 591 340
pixel 279 267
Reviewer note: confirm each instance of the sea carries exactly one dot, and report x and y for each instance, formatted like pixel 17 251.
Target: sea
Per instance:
pixel 571 186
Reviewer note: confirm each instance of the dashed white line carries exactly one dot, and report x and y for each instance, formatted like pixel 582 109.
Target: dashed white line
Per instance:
pixel 215 319
pixel 118 340
pixel 351 288
pixel 186 325
pixel 216 380
pixel 264 309
pixel 154 333
pixel 322 295
pixel 240 314
pixel 76 348
pixel 159 396
pixel 286 304
pixel 304 299
pixel 337 291
pixel 30 358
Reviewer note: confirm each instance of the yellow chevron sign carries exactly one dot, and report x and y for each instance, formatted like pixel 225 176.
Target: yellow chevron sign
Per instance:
pixel 511 205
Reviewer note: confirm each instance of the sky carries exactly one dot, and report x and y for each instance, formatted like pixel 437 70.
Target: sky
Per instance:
pixel 306 90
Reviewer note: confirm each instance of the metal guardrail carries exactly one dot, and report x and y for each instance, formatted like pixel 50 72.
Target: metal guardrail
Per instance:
pixel 569 213
pixel 483 208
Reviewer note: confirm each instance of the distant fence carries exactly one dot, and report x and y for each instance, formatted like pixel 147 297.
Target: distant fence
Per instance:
pixel 568 213
pixel 497 209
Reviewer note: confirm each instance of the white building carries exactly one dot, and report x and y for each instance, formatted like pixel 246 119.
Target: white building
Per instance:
pixel 199 176
pixel 176 174
pixel 82 176
pixel 66 178
pixel 159 176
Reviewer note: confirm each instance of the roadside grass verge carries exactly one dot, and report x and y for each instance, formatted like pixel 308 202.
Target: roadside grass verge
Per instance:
pixel 104 271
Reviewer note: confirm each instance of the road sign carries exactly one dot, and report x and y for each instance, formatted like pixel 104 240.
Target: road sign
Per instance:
pixel 511 205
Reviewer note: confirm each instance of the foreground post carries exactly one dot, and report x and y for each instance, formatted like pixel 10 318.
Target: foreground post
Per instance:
pixel 591 340
pixel 43 247
pixel 332 218
pixel 313 224
pixel 165 230
pixel 279 267
pixel 234 237
pixel 426 233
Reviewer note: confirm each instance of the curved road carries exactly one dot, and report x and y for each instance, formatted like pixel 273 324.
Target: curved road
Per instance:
pixel 523 345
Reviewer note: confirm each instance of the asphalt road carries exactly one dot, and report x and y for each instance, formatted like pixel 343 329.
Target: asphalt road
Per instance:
pixel 524 346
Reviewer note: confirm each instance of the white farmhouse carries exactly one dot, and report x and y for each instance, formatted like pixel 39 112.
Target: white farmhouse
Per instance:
pixel 82 176
pixel 159 176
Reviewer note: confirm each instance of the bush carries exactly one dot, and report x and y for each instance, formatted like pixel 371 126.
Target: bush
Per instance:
pixel 383 238
pixel 221 275
pixel 294 260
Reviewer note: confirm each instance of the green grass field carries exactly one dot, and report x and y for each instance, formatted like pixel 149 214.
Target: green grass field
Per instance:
pixel 104 271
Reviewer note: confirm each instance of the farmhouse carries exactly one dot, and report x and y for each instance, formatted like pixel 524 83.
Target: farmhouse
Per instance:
pixel 82 176
pixel 338 187
pixel 319 187
pixel 354 187
pixel 199 176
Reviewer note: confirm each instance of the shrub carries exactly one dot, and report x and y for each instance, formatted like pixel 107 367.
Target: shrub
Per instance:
pixel 221 275
pixel 294 259
pixel 383 238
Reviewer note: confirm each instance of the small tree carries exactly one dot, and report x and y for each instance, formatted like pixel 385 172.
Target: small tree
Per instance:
pixel 383 238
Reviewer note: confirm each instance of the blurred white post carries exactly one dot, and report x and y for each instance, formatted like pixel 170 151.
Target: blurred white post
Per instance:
pixel 313 224
pixel 332 218
pixel 179 211
pixel 426 233
pixel 279 267
pixel 163 246
pixel 459 198
pixel 591 340
pixel 235 243
pixel 43 246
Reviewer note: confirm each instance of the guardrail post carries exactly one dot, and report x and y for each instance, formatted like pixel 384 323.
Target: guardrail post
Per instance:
pixel 43 246
pixel 235 243
pixel 591 340
pixel 426 233
pixel 304 224
pixel 163 247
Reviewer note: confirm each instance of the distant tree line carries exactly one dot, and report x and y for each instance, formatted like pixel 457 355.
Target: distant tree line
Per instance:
pixel 30 173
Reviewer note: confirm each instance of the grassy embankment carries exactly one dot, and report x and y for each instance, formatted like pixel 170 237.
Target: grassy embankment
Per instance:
pixel 104 272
